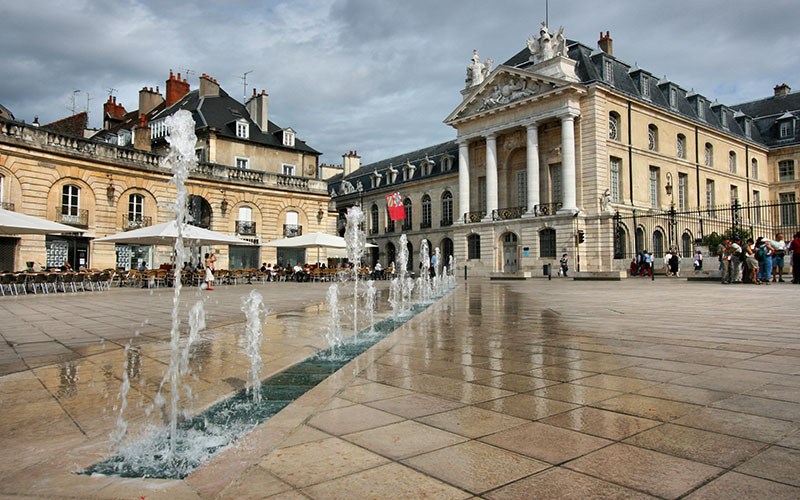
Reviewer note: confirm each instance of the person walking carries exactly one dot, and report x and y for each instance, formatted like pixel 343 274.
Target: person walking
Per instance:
pixel 779 249
pixel 764 255
pixel 210 259
pixel 794 248
pixel 724 251
pixel 564 265
pixel 698 260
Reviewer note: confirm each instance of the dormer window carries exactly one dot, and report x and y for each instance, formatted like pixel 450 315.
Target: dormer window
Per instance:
pixel 608 71
pixel 288 137
pixel 701 110
pixel 242 129
pixel 748 128
pixel 785 129
pixel 447 163
pixel 427 166
pixel 408 171
pixel 376 179
pixel 645 87
pixel 673 97
pixel 723 118
pixel 392 174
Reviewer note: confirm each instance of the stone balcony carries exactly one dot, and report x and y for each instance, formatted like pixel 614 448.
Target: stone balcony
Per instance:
pixel 27 135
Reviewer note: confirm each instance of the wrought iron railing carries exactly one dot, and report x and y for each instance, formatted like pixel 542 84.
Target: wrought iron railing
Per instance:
pixel 475 216
pixel 406 224
pixel 247 227
pixel 135 222
pixel 72 217
pixel 547 208
pixel 373 230
pixel 390 228
pixel 508 213
pixel 425 224
pixel 291 230
pixel 7 205
pixel 446 222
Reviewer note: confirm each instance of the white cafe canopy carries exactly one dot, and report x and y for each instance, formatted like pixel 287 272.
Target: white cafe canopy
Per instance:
pixel 17 223
pixel 167 232
pixel 314 240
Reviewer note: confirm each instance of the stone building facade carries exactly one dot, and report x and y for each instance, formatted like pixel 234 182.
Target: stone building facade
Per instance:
pixel 254 180
pixel 551 144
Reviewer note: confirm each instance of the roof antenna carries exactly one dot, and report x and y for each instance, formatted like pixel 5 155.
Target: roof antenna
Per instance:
pixel 547 12
pixel 110 91
pixel 243 78
pixel 72 107
pixel 186 71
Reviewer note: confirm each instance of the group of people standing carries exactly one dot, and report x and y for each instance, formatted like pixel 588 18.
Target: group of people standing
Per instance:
pixel 760 261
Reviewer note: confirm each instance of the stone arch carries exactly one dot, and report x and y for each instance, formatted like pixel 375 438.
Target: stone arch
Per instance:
pixel 150 207
pixel 87 200
pixel 233 215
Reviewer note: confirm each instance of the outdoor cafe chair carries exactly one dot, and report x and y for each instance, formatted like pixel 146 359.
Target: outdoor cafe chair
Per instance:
pixel 6 283
pixel 20 280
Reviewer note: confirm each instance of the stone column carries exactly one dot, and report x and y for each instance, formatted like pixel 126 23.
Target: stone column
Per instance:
pixel 533 167
pixel 568 197
pixel 463 181
pixel 491 175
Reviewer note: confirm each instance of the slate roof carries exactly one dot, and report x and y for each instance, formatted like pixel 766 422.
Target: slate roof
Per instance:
pixel 434 153
pixel 221 113
pixel 769 112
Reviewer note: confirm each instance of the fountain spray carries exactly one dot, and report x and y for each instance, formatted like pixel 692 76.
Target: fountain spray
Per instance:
pixel 356 242
pixel 253 307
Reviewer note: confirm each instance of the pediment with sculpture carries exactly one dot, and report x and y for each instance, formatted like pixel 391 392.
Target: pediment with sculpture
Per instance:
pixel 505 88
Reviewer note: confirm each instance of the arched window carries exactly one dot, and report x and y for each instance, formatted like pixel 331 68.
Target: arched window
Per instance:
pixel 292 227
pixel 658 243
pixel 474 246
pixel 374 219
pixel 426 212
pixel 135 210
pixel 754 169
pixel 447 208
pixel 2 185
pixel 199 212
pixel 409 212
pixel 547 243
pixel 613 126
pixel 640 240
pixel 652 137
pixel 686 244
pixel 390 253
pixel 681 146
pixel 447 251
pixel 620 242
pixel 389 223
pixel 732 162
pixel 708 158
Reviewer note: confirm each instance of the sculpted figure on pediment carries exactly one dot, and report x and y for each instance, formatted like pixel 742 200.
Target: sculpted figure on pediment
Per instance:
pixel 547 46
pixel 510 90
pixel 477 71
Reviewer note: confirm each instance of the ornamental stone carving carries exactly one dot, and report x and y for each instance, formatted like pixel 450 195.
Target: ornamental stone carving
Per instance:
pixel 547 46
pixel 508 89
pixel 477 71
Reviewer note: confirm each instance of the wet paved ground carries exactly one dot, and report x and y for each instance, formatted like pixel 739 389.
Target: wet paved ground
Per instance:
pixel 523 390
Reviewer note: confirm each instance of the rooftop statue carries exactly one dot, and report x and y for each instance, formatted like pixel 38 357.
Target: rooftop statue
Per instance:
pixel 547 46
pixel 477 71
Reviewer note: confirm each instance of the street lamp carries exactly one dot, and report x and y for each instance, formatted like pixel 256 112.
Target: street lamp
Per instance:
pixel 668 189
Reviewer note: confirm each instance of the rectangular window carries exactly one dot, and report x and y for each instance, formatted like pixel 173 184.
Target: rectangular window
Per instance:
pixel 242 162
pixel 748 128
pixel 522 188
pixel 547 243
pixel 683 187
pixel 709 193
pixel 785 129
pixel 734 194
pixel 473 246
pixel 673 97
pixel 786 170
pixel 645 87
pixel 757 209
pixel 788 209
pixel 754 169
pixel 615 165
pixel 723 117
pixel 608 71
pixel 654 191
pixel 242 130
pixel 482 193
pixel 555 183
pixel 288 169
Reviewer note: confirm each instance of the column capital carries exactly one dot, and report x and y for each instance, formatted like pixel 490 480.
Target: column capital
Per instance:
pixel 570 114
pixel 532 126
pixel 462 141
pixel 491 136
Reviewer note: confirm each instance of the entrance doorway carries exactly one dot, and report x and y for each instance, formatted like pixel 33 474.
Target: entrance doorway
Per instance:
pixel 72 249
pixel 510 254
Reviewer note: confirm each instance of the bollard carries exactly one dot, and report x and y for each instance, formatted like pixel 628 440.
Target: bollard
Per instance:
pixel 465 272
pixel 652 273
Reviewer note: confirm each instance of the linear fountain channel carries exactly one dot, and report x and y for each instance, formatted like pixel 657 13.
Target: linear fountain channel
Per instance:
pixel 199 438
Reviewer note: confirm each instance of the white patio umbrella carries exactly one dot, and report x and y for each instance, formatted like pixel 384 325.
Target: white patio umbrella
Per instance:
pixel 17 223
pixel 167 232
pixel 312 240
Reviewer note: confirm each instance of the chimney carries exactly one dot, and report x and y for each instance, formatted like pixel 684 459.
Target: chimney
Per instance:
pixel 351 162
pixel 141 135
pixel 112 112
pixel 606 44
pixel 149 99
pixel 208 86
pixel 782 90
pixel 176 89
pixel 257 106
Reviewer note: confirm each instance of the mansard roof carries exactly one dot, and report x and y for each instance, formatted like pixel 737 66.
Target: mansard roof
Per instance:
pixel 769 112
pixel 220 113
pixel 435 154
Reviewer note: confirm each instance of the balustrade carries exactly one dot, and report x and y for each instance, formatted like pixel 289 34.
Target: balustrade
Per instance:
pixel 135 222
pixel 547 208
pixel 72 217
pixel 508 213
pixel 474 216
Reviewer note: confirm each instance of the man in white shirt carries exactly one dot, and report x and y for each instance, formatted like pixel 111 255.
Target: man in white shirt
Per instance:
pixel 779 251
pixel 378 271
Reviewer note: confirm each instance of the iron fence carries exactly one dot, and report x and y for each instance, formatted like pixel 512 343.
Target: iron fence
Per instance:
pixel 684 230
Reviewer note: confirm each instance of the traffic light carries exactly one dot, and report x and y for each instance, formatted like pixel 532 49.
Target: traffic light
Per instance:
pixel 581 237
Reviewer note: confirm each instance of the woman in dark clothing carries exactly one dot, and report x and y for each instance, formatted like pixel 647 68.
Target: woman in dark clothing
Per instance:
pixel 675 264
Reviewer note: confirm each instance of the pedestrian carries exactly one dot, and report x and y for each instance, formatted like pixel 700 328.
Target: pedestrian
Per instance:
pixel 647 263
pixel 750 274
pixel 764 256
pixel 378 271
pixel 794 248
pixel 723 250
pixel 737 259
pixel 667 259
pixel 779 247
pixel 210 259
pixel 675 265
pixel 564 265
pixel 698 260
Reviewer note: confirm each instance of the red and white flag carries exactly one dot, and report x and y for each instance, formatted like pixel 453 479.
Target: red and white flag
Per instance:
pixel 395 204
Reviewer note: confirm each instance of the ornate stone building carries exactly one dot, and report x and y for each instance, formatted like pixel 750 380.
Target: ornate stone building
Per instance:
pixel 555 141
pixel 254 180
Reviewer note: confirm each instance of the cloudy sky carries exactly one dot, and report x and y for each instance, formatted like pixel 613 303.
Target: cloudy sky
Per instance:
pixel 369 75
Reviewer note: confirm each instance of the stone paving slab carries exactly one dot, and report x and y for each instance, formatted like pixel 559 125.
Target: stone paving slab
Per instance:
pixel 505 390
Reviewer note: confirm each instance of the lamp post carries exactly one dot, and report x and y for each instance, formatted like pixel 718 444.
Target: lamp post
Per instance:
pixel 668 189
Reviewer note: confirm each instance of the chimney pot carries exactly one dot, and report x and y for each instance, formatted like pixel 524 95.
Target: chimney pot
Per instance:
pixel 254 91
pixel 606 43
pixel 782 90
